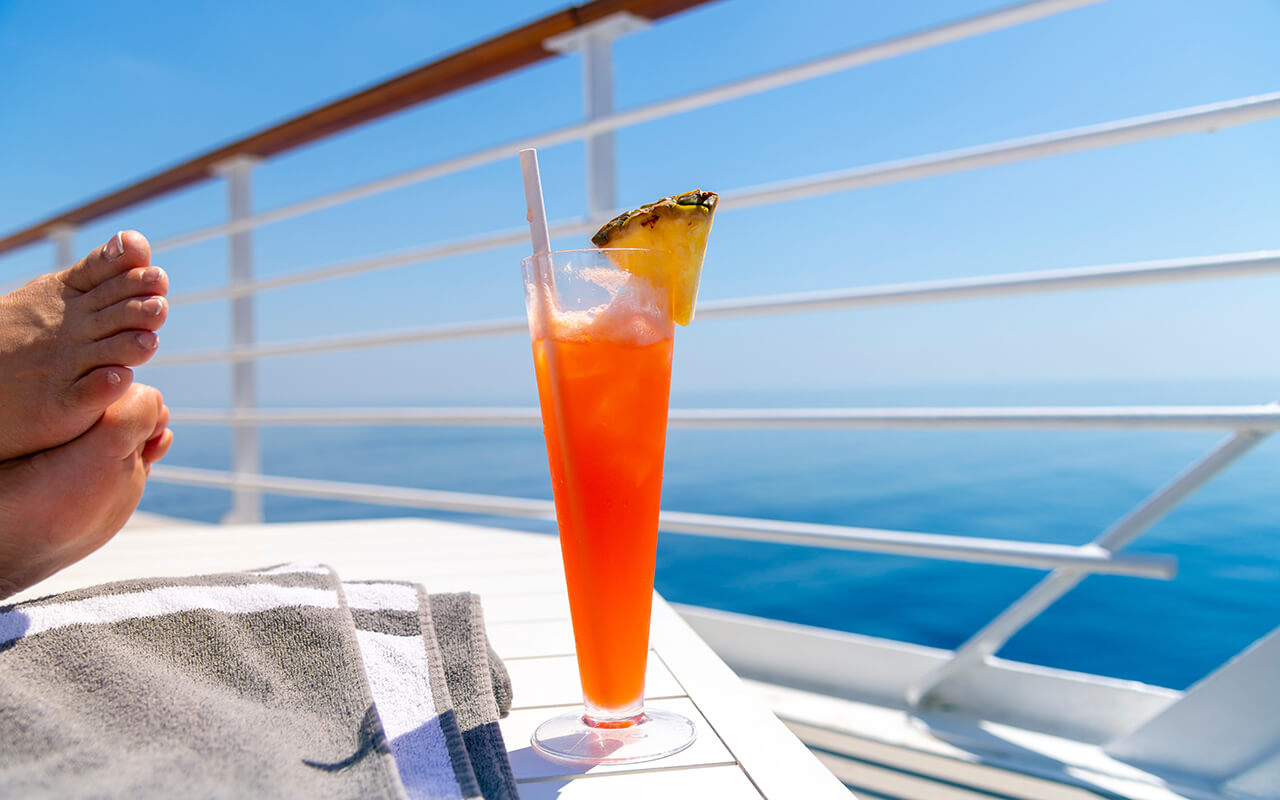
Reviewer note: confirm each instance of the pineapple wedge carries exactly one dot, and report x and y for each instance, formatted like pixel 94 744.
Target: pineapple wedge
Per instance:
pixel 677 226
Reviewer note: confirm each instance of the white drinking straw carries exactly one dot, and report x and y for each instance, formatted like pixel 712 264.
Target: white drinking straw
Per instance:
pixel 545 294
pixel 537 215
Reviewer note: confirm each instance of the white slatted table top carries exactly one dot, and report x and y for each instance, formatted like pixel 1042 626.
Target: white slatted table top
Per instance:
pixel 742 750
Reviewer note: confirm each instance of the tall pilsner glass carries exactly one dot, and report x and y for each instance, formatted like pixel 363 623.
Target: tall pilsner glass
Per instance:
pixel 602 342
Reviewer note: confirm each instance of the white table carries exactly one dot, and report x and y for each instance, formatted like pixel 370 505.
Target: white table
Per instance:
pixel 742 750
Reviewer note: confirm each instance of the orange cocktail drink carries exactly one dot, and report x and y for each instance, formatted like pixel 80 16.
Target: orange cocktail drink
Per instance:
pixel 602 348
pixel 612 391
pixel 602 341
pixel 602 324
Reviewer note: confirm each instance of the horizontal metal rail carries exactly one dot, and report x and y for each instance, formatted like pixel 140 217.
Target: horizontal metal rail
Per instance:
pixel 925 545
pixel 1232 265
pixel 462 330
pixel 416 255
pixel 1188 120
pixel 856 57
pixel 1253 417
pixel 1199 119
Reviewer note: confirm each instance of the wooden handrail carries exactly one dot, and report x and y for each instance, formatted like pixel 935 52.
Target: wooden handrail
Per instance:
pixel 497 56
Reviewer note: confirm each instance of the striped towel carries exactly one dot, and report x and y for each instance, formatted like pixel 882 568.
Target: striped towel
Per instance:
pixel 283 682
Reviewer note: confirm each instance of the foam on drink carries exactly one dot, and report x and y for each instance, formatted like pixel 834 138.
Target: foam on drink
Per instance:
pixel 635 313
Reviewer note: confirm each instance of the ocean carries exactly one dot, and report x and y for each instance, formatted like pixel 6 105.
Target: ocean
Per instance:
pixel 1052 485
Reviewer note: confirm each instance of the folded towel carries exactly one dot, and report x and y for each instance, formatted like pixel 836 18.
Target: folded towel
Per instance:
pixel 281 682
pixel 480 687
pixel 444 697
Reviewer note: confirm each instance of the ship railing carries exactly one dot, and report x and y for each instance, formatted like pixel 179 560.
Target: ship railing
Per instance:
pixel 590 30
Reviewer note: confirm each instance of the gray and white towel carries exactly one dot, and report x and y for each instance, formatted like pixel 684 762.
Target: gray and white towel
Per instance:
pixel 283 682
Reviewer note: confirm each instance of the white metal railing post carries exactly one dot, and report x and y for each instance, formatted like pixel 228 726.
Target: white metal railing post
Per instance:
pixel 246 455
pixel 64 245
pixel 993 636
pixel 597 89
pixel 595 41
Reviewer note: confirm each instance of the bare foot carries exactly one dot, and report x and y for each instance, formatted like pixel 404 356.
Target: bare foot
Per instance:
pixel 67 340
pixel 58 506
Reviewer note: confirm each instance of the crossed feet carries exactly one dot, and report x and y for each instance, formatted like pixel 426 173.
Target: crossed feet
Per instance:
pixel 77 436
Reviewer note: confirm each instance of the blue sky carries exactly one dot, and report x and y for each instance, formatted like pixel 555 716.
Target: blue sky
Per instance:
pixel 110 92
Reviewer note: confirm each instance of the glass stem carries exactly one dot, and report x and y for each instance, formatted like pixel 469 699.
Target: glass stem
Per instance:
pixel 596 717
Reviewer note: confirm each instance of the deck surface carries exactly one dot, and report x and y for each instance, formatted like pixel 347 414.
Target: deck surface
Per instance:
pixel 742 750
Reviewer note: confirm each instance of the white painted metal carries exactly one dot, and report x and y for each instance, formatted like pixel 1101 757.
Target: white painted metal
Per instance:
pixel 614 26
pixel 1229 265
pixel 463 330
pixel 1200 119
pixel 597 84
pixel 1223 726
pixel 359 492
pixel 992 637
pixel 1262 780
pixel 902 45
pixel 595 43
pixel 1232 265
pixel 473 244
pixel 1257 417
pixel 1089 708
pixel 64 245
pixel 981 759
pixel 924 545
pixel 246 457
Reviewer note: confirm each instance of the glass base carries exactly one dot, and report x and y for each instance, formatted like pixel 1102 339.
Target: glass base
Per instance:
pixel 648 736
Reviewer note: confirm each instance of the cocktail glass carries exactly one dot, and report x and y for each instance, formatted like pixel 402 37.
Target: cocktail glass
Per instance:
pixel 602 343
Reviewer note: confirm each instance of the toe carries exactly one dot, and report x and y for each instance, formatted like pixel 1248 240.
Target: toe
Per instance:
pixel 129 348
pixel 157 448
pixel 135 314
pixel 99 388
pixel 122 252
pixel 162 422
pixel 144 282
pixel 129 422
pixel 157 444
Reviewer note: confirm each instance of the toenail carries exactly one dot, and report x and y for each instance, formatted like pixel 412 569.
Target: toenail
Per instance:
pixel 148 340
pixel 153 275
pixel 153 306
pixel 114 248
pixel 113 377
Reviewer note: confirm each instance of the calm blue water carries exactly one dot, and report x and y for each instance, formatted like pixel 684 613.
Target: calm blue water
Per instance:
pixel 1051 486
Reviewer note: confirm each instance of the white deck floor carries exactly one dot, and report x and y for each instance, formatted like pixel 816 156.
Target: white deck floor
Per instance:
pixel 742 750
